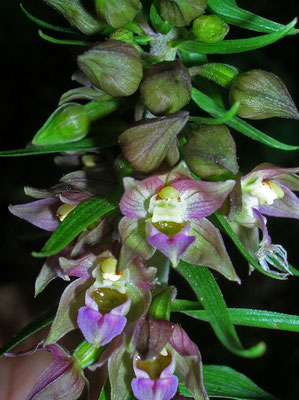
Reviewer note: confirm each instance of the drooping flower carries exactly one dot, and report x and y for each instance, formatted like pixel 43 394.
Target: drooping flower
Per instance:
pixel 101 299
pixel 63 379
pixel 167 212
pixel 267 190
pixel 55 203
pixel 163 349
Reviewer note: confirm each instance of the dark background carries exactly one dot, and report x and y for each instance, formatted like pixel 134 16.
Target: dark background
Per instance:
pixel 34 75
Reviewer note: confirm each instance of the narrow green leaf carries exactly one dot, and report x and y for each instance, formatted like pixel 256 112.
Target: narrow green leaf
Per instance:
pixel 161 304
pixel 34 326
pixel 256 318
pixel 80 145
pixel 224 382
pixel 233 46
pixel 208 293
pixel 210 106
pixel 62 41
pixel 77 220
pixel 220 120
pixel 242 316
pixel 46 25
pixel 232 14
pixel 242 249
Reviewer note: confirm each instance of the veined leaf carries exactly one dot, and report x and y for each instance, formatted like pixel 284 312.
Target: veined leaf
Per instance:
pixel 242 249
pixel 233 46
pixel 224 382
pixel 232 14
pixel 77 220
pixel 34 326
pixel 210 106
pixel 242 316
pixel 208 293
pixel 62 41
pixel 83 144
pixel 44 24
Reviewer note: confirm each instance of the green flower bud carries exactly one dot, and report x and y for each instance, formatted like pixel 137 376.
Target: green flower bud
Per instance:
pixel 209 28
pixel 78 16
pixel 166 87
pixel 181 12
pixel 69 123
pixel 211 151
pixel 117 13
pixel 113 66
pixel 262 95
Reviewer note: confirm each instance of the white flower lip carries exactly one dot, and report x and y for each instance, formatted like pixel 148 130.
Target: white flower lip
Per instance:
pixel 167 210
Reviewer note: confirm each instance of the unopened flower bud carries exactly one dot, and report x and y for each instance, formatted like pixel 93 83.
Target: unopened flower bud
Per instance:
pixel 166 87
pixel 69 123
pixel 117 13
pixel 181 12
pixel 77 16
pixel 262 95
pixel 209 28
pixel 113 66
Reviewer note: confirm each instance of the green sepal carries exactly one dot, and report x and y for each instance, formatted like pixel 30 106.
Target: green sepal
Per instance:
pixel 161 304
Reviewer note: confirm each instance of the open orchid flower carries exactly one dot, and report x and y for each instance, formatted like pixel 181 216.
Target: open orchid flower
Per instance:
pixel 54 204
pixel 63 379
pixel 163 349
pixel 99 301
pixel 167 213
pixel 267 190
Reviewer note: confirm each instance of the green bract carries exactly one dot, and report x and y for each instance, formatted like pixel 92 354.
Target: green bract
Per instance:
pixel 117 13
pixel 181 12
pixel 69 123
pixel 166 87
pixel 113 66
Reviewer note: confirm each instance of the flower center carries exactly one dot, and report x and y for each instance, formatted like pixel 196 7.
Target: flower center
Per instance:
pixel 155 367
pixel 167 206
pixel 64 210
pixel 108 269
pixel 107 299
pixel 266 191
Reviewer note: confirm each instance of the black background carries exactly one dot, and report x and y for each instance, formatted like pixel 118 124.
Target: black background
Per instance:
pixel 34 75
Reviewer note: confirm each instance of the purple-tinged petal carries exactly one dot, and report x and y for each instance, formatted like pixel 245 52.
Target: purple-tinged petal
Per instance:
pixel 202 198
pixel 73 198
pixel 188 363
pixel 179 172
pixel 152 337
pixel 132 232
pixel 66 317
pixel 161 389
pixel 134 202
pixel 287 206
pixel 100 329
pixel 262 221
pixel 41 213
pixel 80 267
pixel 61 380
pixel 141 275
pixel 173 247
pixel 291 181
pixel 209 250
pixel 266 171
